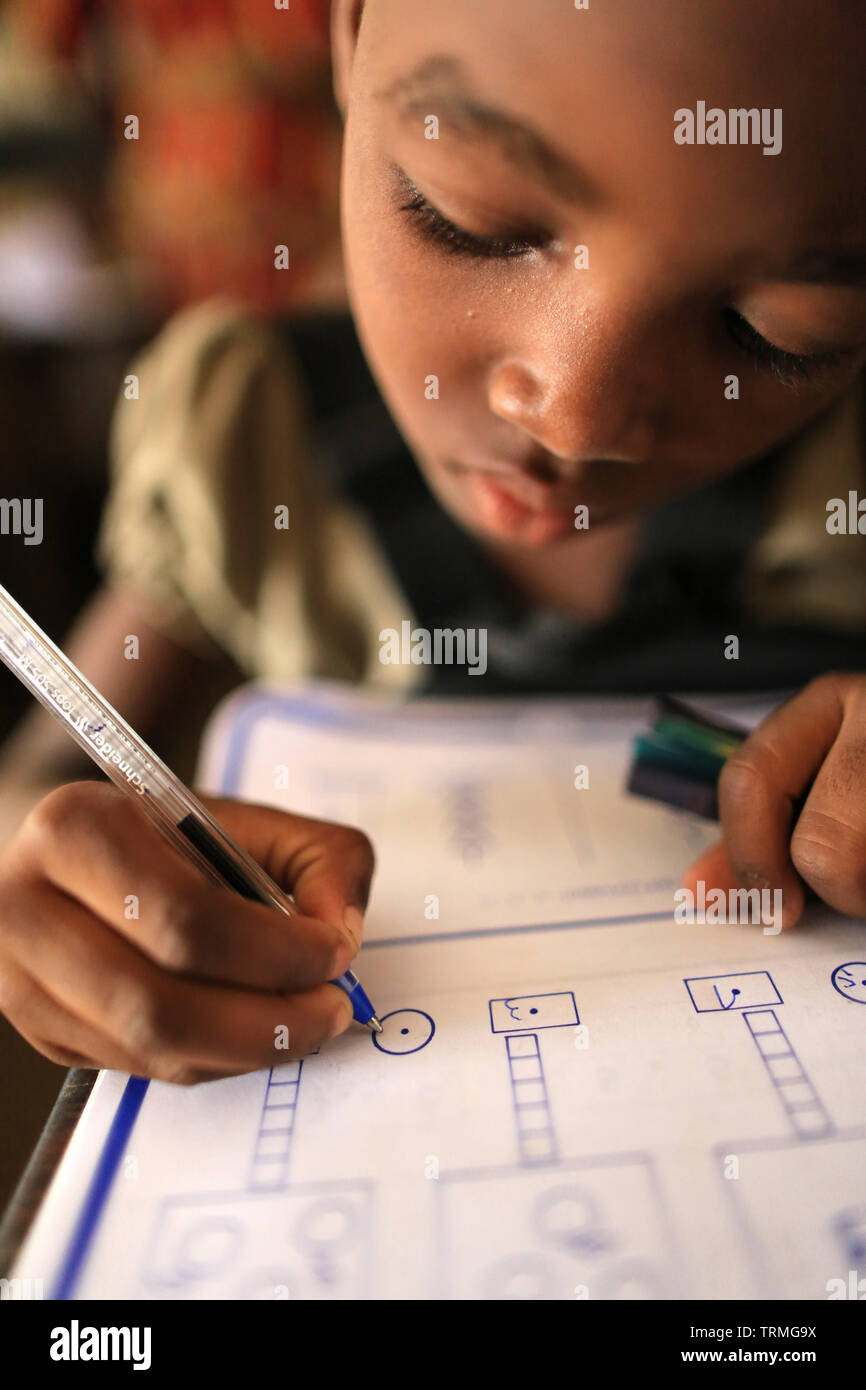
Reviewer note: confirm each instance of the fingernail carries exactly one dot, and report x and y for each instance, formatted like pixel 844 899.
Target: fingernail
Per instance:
pixel 342 1023
pixel 754 880
pixel 353 921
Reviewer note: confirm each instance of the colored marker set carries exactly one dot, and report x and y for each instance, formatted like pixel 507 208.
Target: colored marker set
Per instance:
pixel 679 760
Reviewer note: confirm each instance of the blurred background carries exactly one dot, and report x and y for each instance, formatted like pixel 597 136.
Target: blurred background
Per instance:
pixel 104 236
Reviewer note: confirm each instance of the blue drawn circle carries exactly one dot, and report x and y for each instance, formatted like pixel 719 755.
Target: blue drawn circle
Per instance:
pixel 328 1223
pixel 411 1031
pixel 209 1247
pixel 855 987
pixel 568 1216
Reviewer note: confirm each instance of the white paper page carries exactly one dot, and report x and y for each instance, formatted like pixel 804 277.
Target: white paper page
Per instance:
pixel 574 1096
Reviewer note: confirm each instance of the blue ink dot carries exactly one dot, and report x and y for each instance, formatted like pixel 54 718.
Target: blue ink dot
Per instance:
pixel 533 1011
pixel 404 1030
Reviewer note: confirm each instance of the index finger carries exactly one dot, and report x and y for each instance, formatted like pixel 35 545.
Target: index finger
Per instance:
pixel 326 867
pixel 760 783
pixel 102 851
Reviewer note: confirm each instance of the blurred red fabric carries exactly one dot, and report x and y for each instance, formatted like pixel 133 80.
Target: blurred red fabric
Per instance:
pixel 239 137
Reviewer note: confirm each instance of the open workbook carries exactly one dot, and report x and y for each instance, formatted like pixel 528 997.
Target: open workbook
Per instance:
pixel 575 1096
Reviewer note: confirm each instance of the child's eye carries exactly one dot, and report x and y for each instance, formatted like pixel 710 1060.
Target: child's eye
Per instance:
pixel 434 226
pixel 788 367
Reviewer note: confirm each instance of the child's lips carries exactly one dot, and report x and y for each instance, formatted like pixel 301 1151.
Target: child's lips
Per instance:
pixel 514 504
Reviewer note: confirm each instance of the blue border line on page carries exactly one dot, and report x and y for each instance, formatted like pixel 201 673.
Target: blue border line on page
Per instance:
pixel 97 1195
pixel 523 929
pixel 374 723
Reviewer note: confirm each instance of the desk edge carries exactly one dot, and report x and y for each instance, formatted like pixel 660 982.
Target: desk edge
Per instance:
pixel 34 1182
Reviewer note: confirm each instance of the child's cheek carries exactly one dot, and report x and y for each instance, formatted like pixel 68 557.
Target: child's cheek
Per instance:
pixel 413 314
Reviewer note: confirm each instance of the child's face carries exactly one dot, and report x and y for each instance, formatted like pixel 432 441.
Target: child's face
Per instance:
pixel 603 385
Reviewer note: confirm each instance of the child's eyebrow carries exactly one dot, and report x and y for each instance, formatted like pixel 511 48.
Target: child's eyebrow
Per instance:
pixel 439 86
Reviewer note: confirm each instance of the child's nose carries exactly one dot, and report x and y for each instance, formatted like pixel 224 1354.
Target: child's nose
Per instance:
pixel 585 398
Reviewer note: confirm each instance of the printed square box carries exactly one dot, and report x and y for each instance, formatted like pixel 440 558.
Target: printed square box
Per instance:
pixel 533 1011
pixel 723 993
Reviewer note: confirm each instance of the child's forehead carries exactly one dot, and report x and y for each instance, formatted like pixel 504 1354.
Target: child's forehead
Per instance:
pixel 794 49
pixel 601 87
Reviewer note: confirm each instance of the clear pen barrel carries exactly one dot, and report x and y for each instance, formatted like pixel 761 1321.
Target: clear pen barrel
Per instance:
pixel 106 737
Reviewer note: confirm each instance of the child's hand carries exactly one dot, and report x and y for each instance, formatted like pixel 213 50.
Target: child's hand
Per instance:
pixel 818 737
pixel 116 952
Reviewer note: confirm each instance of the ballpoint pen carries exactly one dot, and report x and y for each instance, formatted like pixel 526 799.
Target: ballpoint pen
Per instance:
pixel 57 684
